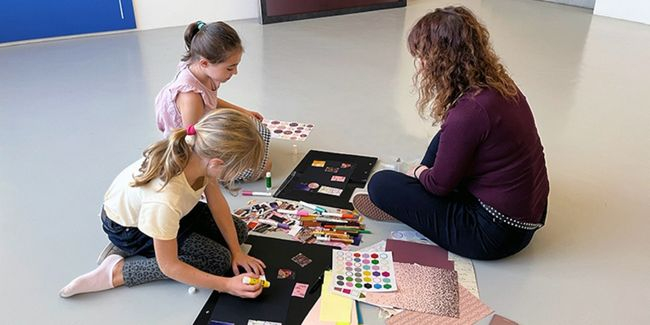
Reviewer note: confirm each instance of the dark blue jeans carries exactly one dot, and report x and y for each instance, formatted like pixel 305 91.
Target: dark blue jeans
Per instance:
pixel 456 222
pixel 199 220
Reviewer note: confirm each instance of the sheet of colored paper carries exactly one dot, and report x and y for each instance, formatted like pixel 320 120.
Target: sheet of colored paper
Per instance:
pixel 334 308
pixel 471 310
pixel 288 130
pixel 422 254
pixel 466 274
pixel 423 289
pixel 313 318
pixel 464 266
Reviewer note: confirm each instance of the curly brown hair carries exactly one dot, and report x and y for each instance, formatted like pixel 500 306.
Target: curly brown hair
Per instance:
pixel 453 54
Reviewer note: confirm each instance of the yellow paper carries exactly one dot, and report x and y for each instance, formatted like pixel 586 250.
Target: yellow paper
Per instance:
pixel 334 308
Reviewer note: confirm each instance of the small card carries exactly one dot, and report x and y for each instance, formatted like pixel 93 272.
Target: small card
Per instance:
pixel 301 260
pixel 331 170
pixel 330 190
pixel 318 163
pixel 300 290
pixel 285 274
pixel 261 322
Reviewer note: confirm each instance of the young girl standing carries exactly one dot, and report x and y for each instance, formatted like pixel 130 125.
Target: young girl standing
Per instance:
pixel 152 209
pixel 213 54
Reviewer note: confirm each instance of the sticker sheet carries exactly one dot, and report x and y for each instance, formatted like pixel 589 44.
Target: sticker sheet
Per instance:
pixel 363 271
pixel 288 130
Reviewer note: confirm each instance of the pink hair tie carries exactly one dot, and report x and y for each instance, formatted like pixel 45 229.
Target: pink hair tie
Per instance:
pixel 191 130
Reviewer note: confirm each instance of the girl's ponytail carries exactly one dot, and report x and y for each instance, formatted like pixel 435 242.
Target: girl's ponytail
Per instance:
pixel 164 159
pixel 214 42
pixel 190 32
pixel 226 134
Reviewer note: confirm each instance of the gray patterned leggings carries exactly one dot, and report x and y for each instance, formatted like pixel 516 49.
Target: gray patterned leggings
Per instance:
pixel 200 245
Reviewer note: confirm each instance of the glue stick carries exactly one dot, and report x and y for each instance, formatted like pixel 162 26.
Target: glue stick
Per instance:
pixel 268 182
pixel 253 281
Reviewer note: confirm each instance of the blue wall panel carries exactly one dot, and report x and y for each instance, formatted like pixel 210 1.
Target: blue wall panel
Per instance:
pixel 30 19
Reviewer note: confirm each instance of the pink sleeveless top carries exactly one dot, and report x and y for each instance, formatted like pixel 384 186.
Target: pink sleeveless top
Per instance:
pixel 168 117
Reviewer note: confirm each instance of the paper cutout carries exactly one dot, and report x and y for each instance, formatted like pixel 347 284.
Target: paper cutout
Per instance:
pixel 286 274
pixel 301 260
pixel 288 130
pixel 334 308
pixel 300 290
pixel 261 322
pixel 471 310
pixel 423 289
pixel 330 190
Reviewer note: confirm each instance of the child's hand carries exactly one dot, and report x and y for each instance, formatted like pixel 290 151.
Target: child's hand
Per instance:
pixel 236 286
pixel 256 115
pixel 249 263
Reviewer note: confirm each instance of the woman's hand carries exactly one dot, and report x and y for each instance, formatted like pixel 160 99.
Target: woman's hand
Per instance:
pixel 419 169
pixel 249 263
pixel 235 286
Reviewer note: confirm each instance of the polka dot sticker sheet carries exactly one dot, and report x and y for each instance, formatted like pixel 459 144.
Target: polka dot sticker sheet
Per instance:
pixel 357 272
pixel 288 130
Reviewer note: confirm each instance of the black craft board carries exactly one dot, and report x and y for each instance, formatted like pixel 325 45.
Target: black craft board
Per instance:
pixel 294 187
pixel 276 301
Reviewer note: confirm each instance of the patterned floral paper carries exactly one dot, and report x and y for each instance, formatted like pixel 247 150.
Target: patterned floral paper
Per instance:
pixel 288 130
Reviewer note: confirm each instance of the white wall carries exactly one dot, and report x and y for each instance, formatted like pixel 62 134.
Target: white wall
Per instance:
pixel 634 10
pixel 151 14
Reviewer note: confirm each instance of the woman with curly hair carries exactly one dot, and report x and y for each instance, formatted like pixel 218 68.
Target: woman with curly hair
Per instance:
pixel 481 189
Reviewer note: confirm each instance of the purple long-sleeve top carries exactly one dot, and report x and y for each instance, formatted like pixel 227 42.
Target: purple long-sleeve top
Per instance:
pixel 490 147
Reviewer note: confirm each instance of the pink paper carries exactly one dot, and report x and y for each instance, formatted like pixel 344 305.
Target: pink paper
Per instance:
pixel 423 289
pixel 300 290
pixel 423 254
pixel 471 311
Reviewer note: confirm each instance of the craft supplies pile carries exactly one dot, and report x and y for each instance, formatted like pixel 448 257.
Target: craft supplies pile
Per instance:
pixel 304 222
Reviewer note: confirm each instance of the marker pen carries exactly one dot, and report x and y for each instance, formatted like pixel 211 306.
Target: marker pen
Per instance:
pixel 273 223
pixel 253 281
pixel 251 193
pixel 313 207
pixel 332 220
pixel 268 182
pixel 339 215
pixel 331 239
pixel 294 212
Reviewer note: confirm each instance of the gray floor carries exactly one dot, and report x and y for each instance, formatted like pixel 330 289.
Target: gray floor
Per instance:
pixel 73 113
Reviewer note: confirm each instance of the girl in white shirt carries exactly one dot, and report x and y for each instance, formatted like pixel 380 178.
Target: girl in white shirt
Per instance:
pixel 152 209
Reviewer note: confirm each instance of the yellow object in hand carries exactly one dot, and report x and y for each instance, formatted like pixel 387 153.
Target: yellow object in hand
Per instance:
pixel 253 281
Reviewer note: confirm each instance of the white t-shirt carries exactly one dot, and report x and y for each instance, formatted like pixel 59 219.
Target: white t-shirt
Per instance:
pixel 156 213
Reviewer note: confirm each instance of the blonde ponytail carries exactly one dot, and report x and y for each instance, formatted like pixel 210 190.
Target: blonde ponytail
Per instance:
pixel 226 134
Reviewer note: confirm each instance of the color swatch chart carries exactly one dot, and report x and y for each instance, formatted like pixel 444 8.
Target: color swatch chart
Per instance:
pixel 363 271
